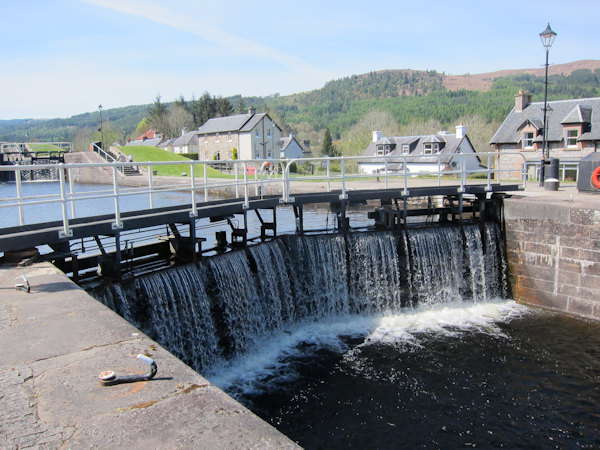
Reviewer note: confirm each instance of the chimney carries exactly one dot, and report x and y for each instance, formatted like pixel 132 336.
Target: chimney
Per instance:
pixel 183 130
pixel 522 100
pixel 461 131
pixel 252 110
pixel 376 135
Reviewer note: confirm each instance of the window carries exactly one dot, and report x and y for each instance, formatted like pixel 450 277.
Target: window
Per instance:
pixel 268 132
pixel 217 138
pixel 380 150
pixel 571 138
pixel 528 139
pixel 206 138
pixel 257 134
pixel 405 149
pixel 229 136
pixel 428 149
pixel 436 148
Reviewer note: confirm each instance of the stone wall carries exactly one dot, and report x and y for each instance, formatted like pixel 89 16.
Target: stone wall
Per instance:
pixel 553 253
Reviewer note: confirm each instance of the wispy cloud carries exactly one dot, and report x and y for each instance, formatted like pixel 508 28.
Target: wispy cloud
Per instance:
pixel 158 13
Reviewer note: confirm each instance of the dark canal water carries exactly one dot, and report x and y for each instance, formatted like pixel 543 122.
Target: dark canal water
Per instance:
pixel 488 376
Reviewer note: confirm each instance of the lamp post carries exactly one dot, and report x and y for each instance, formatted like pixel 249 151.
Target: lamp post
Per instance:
pixel 101 129
pixel 547 36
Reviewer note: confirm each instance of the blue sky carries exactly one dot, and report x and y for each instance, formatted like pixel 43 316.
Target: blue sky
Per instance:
pixel 65 57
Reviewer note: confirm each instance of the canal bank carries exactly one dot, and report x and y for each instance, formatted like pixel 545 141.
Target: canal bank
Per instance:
pixel 553 249
pixel 56 340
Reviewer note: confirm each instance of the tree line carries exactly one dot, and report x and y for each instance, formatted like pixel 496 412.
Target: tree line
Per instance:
pixel 408 97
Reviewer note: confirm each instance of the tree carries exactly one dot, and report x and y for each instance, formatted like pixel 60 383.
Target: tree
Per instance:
pixel 178 118
pixel 241 106
pixel 234 153
pixel 327 148
pixel 158 115
pixel 223 107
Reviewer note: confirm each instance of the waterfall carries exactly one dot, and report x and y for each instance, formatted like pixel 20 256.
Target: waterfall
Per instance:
pixel 223 306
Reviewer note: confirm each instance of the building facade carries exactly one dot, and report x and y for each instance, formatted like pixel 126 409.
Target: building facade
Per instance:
pixel 254 136
pixel 572 132
pixel 428 153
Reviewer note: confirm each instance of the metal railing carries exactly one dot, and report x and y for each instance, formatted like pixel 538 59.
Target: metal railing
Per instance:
pixel 250 177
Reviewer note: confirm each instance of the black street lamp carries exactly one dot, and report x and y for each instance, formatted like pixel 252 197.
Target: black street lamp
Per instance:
pixel 101 129
pixel 547 36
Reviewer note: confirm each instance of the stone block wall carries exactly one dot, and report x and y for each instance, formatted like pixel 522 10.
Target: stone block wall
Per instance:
pixel 553 251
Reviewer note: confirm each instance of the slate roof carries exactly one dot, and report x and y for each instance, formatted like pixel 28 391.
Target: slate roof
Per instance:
pixel 561 112
pixel 147 143
pixel 189 138
pixel 236 123
pixel 449 144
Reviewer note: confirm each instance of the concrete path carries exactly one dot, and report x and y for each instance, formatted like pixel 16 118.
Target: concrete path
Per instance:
pixel 55 340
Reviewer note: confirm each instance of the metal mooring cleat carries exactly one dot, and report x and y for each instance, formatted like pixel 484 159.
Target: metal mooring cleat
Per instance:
pixel 108 377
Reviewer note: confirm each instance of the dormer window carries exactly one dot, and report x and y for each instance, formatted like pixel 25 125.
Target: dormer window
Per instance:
pixel 380 150
pixel 436 148
pixel 528 139
pixel 571 137
pixel 405 149
pixel 428 149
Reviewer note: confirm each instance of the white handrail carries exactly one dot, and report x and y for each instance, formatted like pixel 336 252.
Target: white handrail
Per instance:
pixel 281 184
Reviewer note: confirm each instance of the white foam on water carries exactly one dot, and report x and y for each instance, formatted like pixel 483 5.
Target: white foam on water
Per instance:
pixel 270 361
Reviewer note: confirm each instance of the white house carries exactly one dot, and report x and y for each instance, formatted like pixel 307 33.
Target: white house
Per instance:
pixel 428 153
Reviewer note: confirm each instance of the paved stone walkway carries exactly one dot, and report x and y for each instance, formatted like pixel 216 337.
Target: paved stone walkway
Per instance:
pixel 55 341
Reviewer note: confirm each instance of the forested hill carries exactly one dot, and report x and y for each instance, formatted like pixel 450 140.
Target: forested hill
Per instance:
pixel 407 95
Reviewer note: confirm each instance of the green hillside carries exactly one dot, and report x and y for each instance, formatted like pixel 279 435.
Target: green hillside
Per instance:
pixel 407 97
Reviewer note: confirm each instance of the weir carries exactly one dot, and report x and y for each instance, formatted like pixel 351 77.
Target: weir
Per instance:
pixel 222 307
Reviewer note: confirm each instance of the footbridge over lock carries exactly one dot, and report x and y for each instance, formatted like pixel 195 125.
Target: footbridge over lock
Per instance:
pixel 123 226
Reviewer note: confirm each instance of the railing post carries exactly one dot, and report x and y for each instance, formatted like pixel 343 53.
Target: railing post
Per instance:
pixel 205 179
pixel 235 171
pixel 72 194
pixel 255 182
pixel 439 171
pixel 117 225
pixel 489 173
pixel 405 176
pixel 20 196
pixel 328 174
pixel 246 200
pixel 194 211
pixel 150 186
pixel 386 173
pixel 66 232
pixel 343 196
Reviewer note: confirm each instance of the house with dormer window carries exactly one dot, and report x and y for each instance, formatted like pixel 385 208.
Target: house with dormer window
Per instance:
pixel 428 153
pixel 573 131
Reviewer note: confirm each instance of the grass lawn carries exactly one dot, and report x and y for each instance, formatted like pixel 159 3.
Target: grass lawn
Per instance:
pixel 152 154
pixel 43 148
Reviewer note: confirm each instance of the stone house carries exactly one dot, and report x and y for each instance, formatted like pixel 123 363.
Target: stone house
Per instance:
pixel 573 131
pixel 427 153
pixel 255 136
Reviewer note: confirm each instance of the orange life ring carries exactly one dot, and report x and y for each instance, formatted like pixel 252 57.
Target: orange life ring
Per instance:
pixel 595 180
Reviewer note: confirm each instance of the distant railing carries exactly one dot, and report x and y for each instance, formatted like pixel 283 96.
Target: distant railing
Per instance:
pixel 253 176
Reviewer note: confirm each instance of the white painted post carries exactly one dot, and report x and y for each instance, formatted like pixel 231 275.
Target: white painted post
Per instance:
pixel 117 225
pixel 150 186
pixel 66 232
pixel 205 178
pixel 194 211
pixel 19 196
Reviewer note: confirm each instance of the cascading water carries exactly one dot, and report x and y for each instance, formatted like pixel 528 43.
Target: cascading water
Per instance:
pixel 377 340
pixel 225 306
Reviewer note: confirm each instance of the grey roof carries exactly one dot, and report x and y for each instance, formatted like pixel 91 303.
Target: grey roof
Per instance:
pixel 239 123
pixel 286 141
pixel 449 146
pixel 147 143
pixel 585 110
pixel 189 138
pixel 224 124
